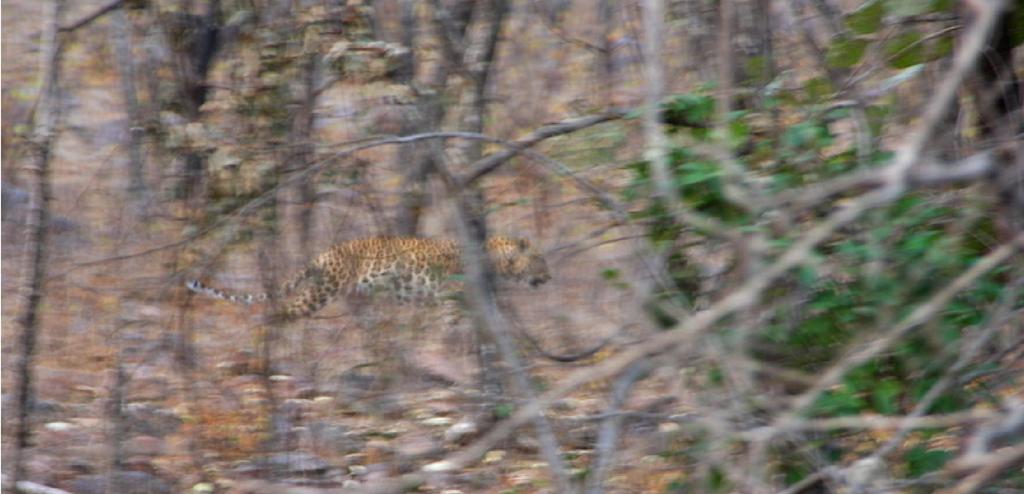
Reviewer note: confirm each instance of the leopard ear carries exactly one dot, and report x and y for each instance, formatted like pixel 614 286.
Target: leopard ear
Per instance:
pixel 522 243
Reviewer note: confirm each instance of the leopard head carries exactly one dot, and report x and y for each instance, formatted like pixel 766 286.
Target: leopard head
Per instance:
pixel 515 258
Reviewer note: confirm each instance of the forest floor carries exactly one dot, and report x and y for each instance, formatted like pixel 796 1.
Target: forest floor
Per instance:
pixel 355 401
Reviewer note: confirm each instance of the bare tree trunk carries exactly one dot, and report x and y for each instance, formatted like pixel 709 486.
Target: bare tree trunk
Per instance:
pixel 115 410
pixel 194 40
pixel 277 425
pixel 492 323
pixel 302 137
pixel 478 61
pixel 480 71
pixel 765 34
pixel 429 113
pixel 654 136
pixel 126 66
pixel 47 120
pixel 999 98
pixel 419 158
pixel 608 437
pixel 606 61
pixel 726 21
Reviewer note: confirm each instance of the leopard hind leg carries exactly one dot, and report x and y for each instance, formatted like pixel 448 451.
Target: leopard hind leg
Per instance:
pixel 320 289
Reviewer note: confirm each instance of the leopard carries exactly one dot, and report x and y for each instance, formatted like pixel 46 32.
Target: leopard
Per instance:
pixel 406 269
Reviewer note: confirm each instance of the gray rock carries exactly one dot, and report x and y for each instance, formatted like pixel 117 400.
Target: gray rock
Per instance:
pixel 148 420
pixel 144 446
pixel 461 431
pixel 122 483
pixel 414 446
pixel 334 438
pixel 296 463
pixel 40 410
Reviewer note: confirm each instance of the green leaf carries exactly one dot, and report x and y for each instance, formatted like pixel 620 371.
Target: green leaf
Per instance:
pixel 806 135
pixel 503 410
pixel 696 172
pixel 715 376
pixel 739 132
pixel 921 460
pixel 1016 24
pixel 904 50
pixel 906 8
pixel 818 89
pixel 845 52
pixel 841 401
pixel 917 243
pixel 940 47
pixel 807 275
pixel 885 396
pixel 867 18
pixel 689 110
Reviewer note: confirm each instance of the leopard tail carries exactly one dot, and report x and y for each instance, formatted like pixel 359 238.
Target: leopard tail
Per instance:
pixel 234 297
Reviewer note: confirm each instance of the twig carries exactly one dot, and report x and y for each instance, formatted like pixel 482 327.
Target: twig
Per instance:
pixel 995 464
pixel 480 292
pixel 575 357
pixel 685 332
pixel 359 145
pixel 88 19
pixel 996 433
pixel 27 487
pixel 920 315
pixel 560 34
pixel 810 480
pixel 931 173
pixel 608 437
pixel 881 422
pixel 490 163
pixel 747 294
pixel 967 355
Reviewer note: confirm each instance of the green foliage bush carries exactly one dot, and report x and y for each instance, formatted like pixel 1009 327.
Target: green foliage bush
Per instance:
pixel 869 275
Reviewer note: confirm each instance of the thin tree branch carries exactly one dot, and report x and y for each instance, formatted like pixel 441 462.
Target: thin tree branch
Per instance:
pixel 354 147
pixel 920 315
pixel 44 140
pixel 608 435
pixel 966 356
pixel 480 292
pixel 880 422
pixel 655 143
pixel 26 487
pixel 933 173
pixel 995 464
pixel 490 163
pixel 747 294
pixel 561 34
pixel 126 72
pixel 96 14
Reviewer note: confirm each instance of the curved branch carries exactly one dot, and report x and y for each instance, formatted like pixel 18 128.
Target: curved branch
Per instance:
pixel 749 293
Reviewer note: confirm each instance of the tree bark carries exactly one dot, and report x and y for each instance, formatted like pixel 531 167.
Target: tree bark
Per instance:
pixel 194 40
pixel 45 134
pixel 429 111
pixel 126 68
pixel 480 291
pixel 998 96
pixel 654 135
